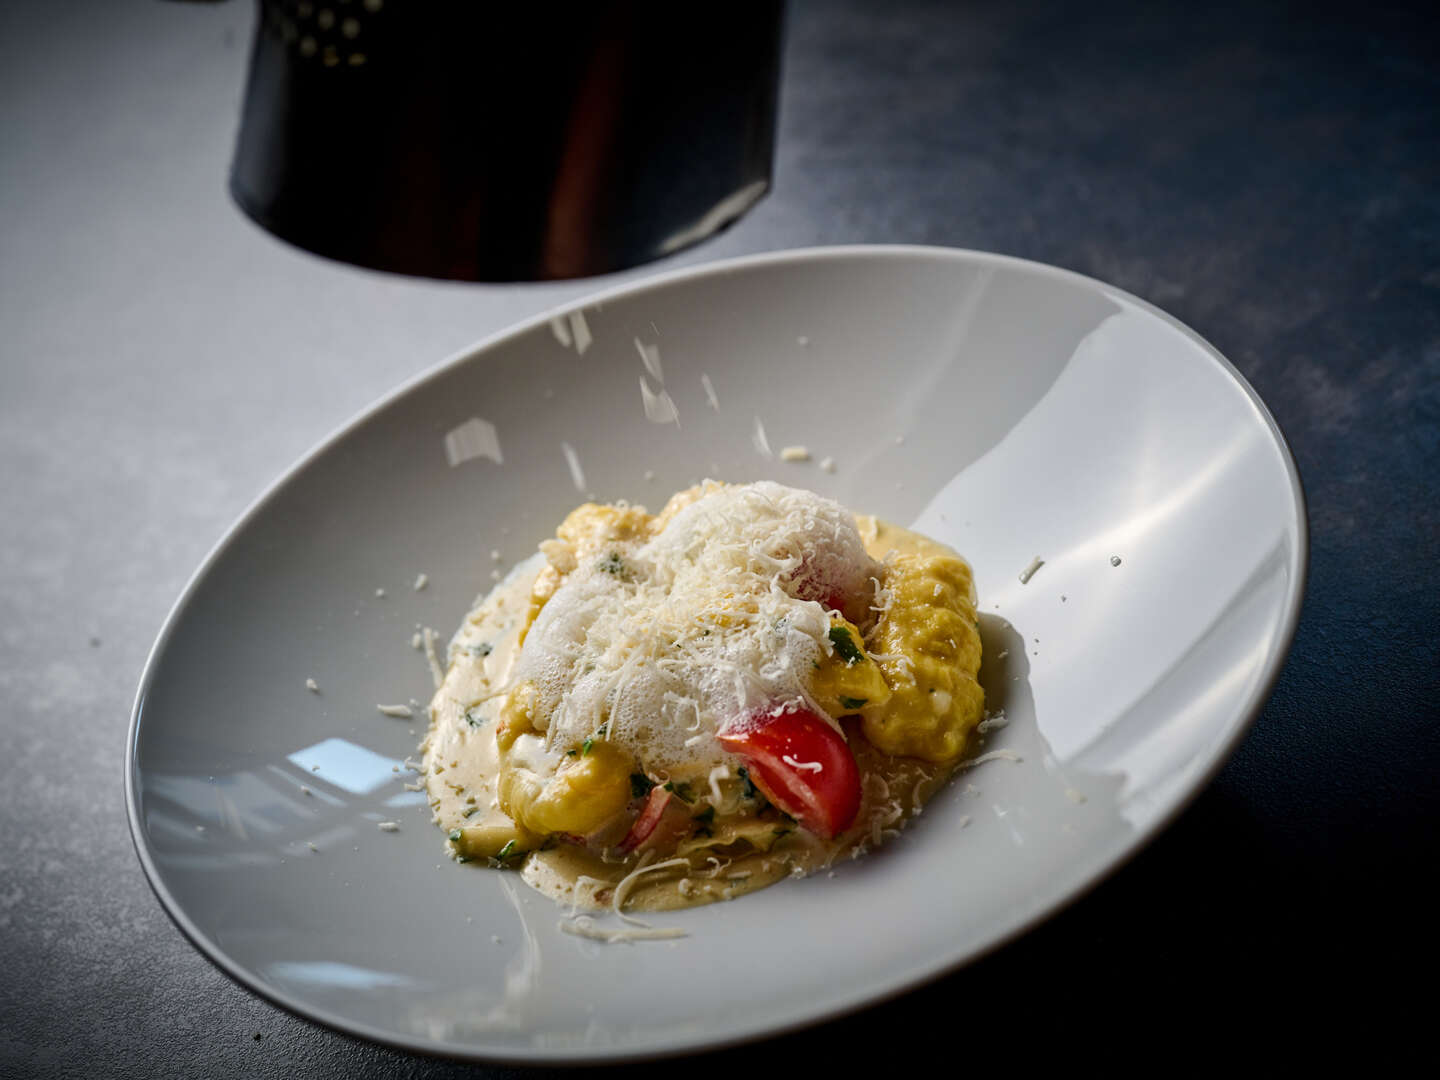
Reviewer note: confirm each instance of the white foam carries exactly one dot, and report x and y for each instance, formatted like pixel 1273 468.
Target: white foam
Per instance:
pixel 705 623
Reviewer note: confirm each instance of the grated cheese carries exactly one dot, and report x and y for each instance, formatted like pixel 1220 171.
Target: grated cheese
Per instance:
pixel 312 686
pixel 650 357
pixel 993 755
pixel 827 464
pixel 399 712
pixel 625 884
pixel 641 654
pixel 659 407
pixel 795 453
pixel 1029 571
pixel 718 773
pixel 561 331
pixel 709 388
pixel 992 721
pixel 388 826
pixel 572 459
pixel 580 331
pixel 473 439
pixel 582 926
pixel 809 766
pixel 421 580
pixel 437 673
pixel 759 439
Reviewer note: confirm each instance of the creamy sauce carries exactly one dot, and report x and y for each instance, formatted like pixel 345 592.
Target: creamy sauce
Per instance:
pixel 462 763
pixel 461 758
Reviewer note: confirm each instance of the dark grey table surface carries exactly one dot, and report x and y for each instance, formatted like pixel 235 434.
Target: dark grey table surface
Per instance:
pixel 1268 173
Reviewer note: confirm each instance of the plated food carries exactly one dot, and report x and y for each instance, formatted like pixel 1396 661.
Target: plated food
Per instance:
pixel 658 711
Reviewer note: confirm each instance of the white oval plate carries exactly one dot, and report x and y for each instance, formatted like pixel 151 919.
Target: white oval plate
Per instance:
pixel 1007 408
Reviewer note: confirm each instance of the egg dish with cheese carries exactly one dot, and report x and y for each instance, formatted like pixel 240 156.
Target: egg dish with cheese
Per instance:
pixel 686 706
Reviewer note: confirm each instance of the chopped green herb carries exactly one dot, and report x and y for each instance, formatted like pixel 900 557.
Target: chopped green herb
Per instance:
pixel 706 816
pixel 750 788
pixel 471 810
pixel 845 646
pixel 483 649
pixel 586 745
pixel 471 719
pixel 507 852
pixel 781 832
pixel 788 819
pixel 570 753
pixel 454 836
pixel 681 791
pixel 614 564
pixel 852 702
pixel 640 785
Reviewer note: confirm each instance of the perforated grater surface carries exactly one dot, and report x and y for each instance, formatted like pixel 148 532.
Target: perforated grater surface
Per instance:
pixel 470 141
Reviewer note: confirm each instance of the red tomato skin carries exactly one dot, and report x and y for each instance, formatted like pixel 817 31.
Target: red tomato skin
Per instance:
pixel 824 800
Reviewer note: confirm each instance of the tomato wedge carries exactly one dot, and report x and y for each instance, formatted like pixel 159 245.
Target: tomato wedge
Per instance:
pixel 650 815
pixel 802 764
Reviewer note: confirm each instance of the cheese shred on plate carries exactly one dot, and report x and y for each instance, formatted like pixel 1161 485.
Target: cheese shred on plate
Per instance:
pixel 755 680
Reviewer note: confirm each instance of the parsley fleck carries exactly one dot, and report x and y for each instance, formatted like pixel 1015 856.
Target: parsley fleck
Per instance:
pixel 589 742
pixel 471 719
pixel 471 810
pixel 614 564
pixel 454 836
pixel 483 649
pixel 852 702
pixel 706 816
pixel 640 785
pixel 750 788
pixel 507 852
pixel 845 646
pixel 569 753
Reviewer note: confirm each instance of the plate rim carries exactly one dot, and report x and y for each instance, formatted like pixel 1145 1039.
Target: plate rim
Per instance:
pixel 1219 753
